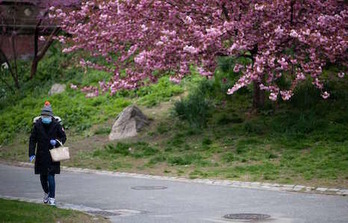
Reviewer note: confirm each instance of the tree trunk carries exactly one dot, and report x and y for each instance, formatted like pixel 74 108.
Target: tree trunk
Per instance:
pixel 33 70
pixel 3 58
pixel 258 96
pixel 38 55
pixel 15 72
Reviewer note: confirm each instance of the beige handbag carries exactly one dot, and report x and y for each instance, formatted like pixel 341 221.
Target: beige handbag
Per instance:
pixel 61 153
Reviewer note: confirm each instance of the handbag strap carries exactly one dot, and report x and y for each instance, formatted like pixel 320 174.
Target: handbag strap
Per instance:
pixel 61 144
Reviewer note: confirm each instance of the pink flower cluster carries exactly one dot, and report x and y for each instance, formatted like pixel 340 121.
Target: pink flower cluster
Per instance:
pixel 90 91
pixel 282 39
pixel 73 86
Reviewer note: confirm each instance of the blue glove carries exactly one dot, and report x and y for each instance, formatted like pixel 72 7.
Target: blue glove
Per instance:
pixel 32 158
pixel 53 142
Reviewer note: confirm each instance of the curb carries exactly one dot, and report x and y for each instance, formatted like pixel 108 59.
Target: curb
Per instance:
pixel 229 183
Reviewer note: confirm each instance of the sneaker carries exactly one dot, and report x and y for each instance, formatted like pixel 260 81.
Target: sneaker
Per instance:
pixel 52 201
pixel 45 198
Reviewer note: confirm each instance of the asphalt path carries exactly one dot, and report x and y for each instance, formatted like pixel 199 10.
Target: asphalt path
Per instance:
pixel 134 199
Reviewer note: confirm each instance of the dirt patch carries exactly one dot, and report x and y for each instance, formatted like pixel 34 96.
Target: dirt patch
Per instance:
pixel 86 144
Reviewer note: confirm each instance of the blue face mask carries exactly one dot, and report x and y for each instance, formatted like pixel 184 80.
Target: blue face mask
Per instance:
pixel 46 120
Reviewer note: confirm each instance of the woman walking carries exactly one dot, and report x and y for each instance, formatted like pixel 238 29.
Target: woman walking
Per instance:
pixel 44 136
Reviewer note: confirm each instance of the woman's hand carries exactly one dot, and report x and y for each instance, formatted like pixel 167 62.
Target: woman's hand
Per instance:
pixel 31 158
pixel 53 142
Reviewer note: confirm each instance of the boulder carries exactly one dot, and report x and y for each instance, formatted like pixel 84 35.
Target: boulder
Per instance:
pixel 57 89
pixel 128 123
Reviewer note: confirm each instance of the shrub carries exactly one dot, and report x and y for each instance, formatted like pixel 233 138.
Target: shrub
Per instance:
pixel 306 96
pixel 196 107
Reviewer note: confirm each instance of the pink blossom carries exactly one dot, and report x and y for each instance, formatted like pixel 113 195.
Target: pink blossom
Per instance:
pixel 159 43
pixel 73 86
pixel 233 89
pixel 141 58
pixel 273 96
pixel 306 32
pixel 172 36
pixel 279 30
pixel 293 61
pixel 237 68
pixel 271 62
pixel 169 33
pixel 164 39
pixel 325 95
pixel 229 25
pixel 300 76
pixel 293 33
pixel 83 63
pixel 283 63
pixel 263 87
pixel 234 47
pixel 191 49
pixel 213 32
pixel 188 20
pixel 259 69
pixel 318 83
pixel 204 72
pixel 132 49
pixel 144 28
pixel 286 95
pixel 175 80
pixel 259 7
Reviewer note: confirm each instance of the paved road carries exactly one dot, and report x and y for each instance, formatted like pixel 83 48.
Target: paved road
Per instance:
pixel 179 202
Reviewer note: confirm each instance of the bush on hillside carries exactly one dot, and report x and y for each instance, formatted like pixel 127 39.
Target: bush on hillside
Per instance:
pixel 196 108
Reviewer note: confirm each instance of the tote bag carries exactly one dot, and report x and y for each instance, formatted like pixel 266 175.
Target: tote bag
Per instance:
pixel 61 153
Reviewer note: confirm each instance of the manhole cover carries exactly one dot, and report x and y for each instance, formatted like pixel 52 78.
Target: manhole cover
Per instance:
pixel 247 216
pixel 104 213
pixel 149 188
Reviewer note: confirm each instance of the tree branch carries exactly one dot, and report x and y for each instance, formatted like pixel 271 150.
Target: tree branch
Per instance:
pixel 40 54
pixel 48 42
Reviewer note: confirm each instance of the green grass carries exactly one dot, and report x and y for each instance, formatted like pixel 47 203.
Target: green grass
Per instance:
pixel 164 90
pixel 24 212
pixel 285 143
pixel 78 113
pixel 207 134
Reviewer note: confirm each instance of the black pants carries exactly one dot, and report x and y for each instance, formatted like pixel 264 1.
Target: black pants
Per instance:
pixel 48 184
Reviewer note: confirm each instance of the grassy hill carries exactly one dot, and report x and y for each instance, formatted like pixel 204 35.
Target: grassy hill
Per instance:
pixel 196 130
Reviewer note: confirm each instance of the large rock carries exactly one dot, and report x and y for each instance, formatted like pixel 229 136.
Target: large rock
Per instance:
pixel 129 122
pixel 57 89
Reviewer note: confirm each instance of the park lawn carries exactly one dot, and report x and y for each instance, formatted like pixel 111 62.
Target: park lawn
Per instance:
pixel 224 154
pixel 24 212
pixel 301 141
pixel 281 147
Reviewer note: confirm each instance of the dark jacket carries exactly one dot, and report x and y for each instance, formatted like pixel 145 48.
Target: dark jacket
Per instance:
pixel 41 136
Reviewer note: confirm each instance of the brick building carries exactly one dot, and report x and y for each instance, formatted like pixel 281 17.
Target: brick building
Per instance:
pixel 18 21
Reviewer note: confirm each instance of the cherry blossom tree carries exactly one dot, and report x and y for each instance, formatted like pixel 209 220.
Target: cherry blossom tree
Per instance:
pixel 289 39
